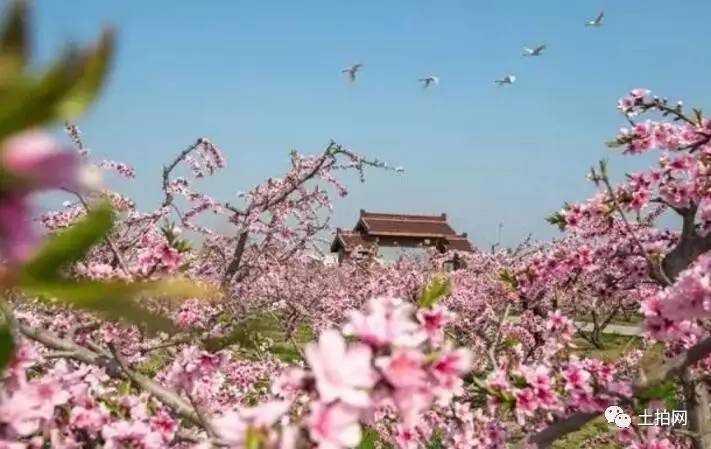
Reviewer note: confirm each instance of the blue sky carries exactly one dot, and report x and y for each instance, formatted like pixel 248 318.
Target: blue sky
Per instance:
pixel 262 77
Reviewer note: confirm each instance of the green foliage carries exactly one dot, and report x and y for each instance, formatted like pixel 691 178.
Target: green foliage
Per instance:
pixel 614 143
pixel 68 247
pixel 435 441
pixel 62 92
pixel 698 116
pixel 439 287
pixel 246 334
pixel 13 43
pixel 591 431
pixel 508 278
pixel 369 440
pixel 7 346
pixel 182 246
pixel 253 439
pixel 114 300
pixel 557 218
pixel 665 391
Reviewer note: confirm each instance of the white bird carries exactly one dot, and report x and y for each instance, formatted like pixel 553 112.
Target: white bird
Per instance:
pixel 352 70
pixel 536 51
pixel 428 80
pixel 597 21
pixel 508 79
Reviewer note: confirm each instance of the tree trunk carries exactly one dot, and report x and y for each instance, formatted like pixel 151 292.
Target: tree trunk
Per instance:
pixel 696 396
pixel 236 259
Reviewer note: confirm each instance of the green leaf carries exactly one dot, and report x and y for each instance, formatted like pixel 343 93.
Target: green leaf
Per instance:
pixel 438 288
pixel 508 278
pixel 244 334
pixel 95 65
pixel 7 347
pixel 436 441
pixel 556 219
pixel 369 440
pixel 603 167
pixel 613 143
pixel 114 300
pixel 253 439
pixel 62 92
pixel 174 289
pixel 68 247
pixel 14 48
pixel 699 116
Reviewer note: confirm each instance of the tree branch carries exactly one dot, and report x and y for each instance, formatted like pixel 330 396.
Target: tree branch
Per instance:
pixel 654 375
pixel 114 366
pixel 236 259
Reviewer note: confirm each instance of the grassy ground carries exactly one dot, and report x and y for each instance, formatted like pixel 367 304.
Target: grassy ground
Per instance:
pixel 594 429
pixel 614 346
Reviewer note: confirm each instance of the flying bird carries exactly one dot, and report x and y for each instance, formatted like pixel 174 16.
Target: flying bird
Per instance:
pixel 352 70
pixel 508 79
pixel 597 21
pixel 428 80
pixel 537 51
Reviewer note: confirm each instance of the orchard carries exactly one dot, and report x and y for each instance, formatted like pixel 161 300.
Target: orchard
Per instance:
pixel 130 329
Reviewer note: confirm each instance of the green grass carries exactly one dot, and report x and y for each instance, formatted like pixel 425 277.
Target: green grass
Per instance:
pixel 267 328
pixel 595 428
pixel 614 346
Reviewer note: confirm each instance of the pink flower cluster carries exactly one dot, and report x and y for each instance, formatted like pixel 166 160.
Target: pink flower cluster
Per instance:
pixel 388 364
pixel 671 312
pixel 121 168
pixel 64 408
pixel 391 362
pixel 207 158
pixel 162 259
pixel 196 373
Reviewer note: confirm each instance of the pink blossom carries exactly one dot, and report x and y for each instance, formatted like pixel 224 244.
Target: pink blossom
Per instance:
pixel 433 322
pixel 89 418
pixel 404 369
pixel 232 426
pixel 576 377
pixel 386 321
pixel 341 373
pixel 36 162
pixel 406 438
pixel 526 402
pixel 334 426
pixel 452 363
pixel 17 239
pixel 411 403
pixel 131 435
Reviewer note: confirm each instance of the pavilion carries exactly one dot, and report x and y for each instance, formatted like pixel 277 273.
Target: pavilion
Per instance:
pixel 374 230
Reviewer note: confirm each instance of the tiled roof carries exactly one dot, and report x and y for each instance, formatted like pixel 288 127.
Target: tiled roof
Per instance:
pixel 348 240
pixel 423 226
pixel 459 243
pixel 372 225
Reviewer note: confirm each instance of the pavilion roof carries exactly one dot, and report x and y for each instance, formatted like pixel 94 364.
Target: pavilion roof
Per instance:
pixel 374 225
pixel 349 240
pixel 401 225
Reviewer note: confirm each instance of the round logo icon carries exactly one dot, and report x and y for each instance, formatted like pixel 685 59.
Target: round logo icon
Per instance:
pixel 615 414
pixel 623 420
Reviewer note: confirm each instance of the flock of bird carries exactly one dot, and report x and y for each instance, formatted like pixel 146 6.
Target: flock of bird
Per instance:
pixel 430 80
